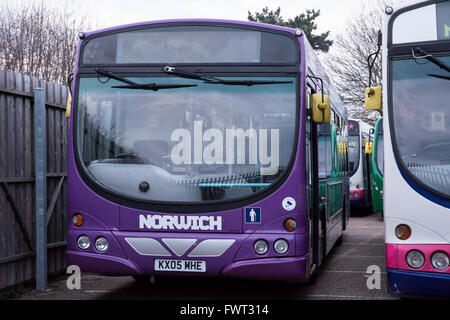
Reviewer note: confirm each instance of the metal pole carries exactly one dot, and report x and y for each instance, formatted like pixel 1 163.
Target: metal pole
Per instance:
pixel 40 165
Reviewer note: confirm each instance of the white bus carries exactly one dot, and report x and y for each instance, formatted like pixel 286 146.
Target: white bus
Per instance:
pixel 359 164
pixel 416 101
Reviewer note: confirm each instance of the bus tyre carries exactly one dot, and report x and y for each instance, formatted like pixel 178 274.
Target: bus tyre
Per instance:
pixel 340 240
pixel 312 278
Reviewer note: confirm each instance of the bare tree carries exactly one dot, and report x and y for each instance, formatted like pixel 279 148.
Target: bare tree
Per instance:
pixel 348 62
pixel 39 40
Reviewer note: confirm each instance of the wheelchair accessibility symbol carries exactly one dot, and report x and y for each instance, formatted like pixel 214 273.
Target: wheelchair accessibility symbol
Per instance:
pixel 289 204
pixel 253 215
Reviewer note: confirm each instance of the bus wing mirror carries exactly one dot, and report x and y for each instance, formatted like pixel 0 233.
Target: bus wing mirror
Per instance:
pixel 320 108
pixel 69 105
pixel 373 98
pixel 369 147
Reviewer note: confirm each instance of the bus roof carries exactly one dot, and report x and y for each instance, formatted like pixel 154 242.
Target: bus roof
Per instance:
pixel 218 21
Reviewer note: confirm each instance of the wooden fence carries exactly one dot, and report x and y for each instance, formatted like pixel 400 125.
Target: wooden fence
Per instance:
pixel 17 213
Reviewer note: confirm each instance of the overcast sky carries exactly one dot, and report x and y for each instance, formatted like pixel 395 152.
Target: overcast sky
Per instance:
pixel 108 13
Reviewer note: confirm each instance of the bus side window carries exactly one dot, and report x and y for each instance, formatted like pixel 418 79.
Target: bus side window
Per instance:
pixel 325 151
pixel 335 152
pixel 309 92
pixel 308 99
pixel 346 166
pixel 308 136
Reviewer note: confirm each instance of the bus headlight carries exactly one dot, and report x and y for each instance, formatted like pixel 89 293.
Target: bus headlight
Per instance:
pixel 281 246
pixel 261 247
pixel 83 242
pixel 415 259
pixel 101 244
pixel 440 260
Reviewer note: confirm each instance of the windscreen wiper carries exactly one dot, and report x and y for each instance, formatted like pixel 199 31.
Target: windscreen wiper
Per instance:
pixel 212 80
pixel 139 86
pixel 187 74
pixel 432 59
pixel 111 75
pixel 440 76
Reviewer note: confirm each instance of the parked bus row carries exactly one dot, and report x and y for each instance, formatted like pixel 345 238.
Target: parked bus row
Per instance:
pixel 366 161
pixel 359 162
pixel 221 148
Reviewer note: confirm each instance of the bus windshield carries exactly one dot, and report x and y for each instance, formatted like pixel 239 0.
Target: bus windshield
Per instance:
pixel 190 144
pixel 421 114
pixel 353 153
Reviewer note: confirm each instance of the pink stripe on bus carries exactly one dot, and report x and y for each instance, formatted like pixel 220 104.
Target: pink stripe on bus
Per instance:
pixel 357 194
pixel 396 256
pixel 391 256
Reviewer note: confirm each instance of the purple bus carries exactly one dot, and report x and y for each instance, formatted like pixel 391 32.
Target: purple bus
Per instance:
pixel 204 148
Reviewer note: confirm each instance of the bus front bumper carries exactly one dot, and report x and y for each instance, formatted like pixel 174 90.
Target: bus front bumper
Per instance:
pixel 217 255
pixel 109 265
pixel 402 283
pixel 268 269
pixel 293 269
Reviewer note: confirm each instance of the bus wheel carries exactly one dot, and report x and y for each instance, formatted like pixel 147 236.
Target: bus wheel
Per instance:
pixel 313 275
pixel 368 210
pixel 312 278
pixel 340 240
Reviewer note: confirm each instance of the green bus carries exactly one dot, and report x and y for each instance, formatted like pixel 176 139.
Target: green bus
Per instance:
pixel 333 178
pixel 377 168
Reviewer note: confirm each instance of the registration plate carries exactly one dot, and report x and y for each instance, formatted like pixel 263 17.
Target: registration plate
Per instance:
pixel 180 265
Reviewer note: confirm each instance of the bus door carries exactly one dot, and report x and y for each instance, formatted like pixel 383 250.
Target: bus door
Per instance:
pixel 366 169
pixel 367 154
pixel 312 188
pixel 367 179
pixel 332 188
